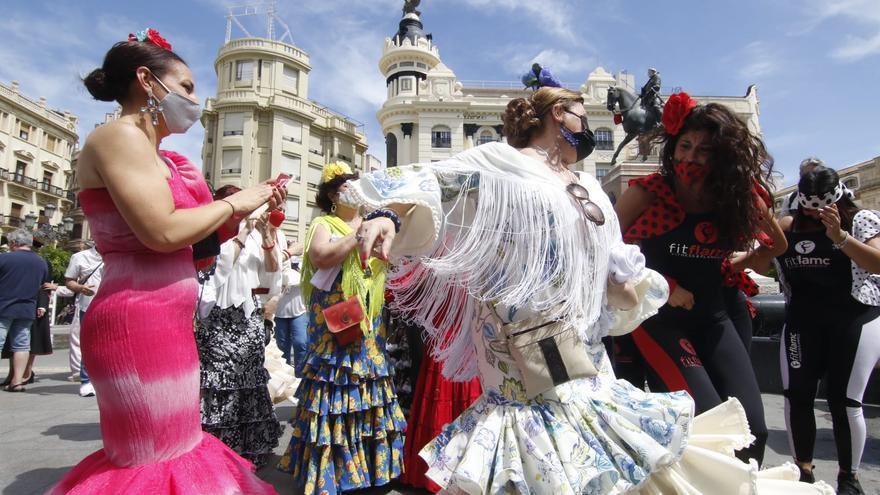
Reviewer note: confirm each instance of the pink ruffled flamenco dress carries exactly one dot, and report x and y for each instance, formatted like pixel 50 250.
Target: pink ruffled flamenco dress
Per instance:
pixel 137 341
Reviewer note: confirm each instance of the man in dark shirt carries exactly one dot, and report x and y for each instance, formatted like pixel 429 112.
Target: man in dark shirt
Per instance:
pixel 22 272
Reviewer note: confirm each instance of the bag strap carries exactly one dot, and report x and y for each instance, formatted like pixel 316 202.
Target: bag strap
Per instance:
pixel 82 281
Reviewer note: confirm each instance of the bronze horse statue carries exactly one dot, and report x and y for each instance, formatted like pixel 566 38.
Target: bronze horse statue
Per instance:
pixel 636 120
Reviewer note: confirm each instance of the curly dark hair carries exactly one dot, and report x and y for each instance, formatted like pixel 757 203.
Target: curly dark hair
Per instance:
pixel 325 189
pixel 112 81
pixel 738 162
pixel 817 182
pixel 523 116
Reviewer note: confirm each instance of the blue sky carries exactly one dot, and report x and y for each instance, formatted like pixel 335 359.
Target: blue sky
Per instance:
pixel 816 63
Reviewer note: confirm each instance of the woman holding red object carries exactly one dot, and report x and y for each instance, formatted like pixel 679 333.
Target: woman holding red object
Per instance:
pixel 146 210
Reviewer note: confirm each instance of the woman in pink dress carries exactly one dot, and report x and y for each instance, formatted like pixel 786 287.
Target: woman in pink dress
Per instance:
pixel 145 211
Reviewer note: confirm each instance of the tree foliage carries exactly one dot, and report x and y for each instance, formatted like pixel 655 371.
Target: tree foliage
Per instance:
pixel 57 259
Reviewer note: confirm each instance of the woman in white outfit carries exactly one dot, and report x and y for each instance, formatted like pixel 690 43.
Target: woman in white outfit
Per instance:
pixel 517 270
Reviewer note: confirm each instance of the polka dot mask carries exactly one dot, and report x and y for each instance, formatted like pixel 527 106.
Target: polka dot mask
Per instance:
pixel 824 200
pixel 690 172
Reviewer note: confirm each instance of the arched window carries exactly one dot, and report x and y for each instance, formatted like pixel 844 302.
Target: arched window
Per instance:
pixel 441 137
pixel 391 149
pixel 604 139
pixel 486 137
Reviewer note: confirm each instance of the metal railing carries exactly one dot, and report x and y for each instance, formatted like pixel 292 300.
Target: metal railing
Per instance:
pixel 11 221
pixel 32 183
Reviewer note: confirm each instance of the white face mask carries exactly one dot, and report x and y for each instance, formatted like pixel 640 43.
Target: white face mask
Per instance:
pixel 179 111
pixel 347 198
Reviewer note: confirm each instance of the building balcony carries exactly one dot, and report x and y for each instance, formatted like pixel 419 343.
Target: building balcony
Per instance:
pixel 11 222
pixel 263 45
pixel 31 183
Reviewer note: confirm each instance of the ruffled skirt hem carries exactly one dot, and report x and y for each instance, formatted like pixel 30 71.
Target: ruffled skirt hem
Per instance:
pixel 211 468
pixel 347 435
pixel 625 441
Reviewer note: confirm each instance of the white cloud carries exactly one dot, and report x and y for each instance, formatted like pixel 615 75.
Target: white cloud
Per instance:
pixel 758 60
pixel 555 18
pixel 865 13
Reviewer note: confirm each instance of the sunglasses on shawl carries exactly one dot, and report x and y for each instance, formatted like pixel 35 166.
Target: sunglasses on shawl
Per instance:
pixel 582 197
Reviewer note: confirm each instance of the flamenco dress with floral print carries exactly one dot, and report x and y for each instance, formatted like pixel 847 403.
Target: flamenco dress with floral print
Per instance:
pixel 348 431
pixel 493 241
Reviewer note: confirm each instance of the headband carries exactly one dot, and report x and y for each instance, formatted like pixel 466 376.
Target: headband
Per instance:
pixel 824 200
pixel 150 35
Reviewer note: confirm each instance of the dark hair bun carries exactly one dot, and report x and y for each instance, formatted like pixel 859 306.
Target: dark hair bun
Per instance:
pixel 112 81
pixel 520 120
pixel 98 85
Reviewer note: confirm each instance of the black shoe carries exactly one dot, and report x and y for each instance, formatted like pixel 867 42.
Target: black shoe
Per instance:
pixel 847 484
pixel 31 379
pixel 807 476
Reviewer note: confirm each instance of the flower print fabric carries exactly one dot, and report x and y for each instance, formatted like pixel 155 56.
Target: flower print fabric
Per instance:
pixel 348 431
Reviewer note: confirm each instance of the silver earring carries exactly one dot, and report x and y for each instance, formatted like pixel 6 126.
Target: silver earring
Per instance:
pixel 153 108
pixel 333 208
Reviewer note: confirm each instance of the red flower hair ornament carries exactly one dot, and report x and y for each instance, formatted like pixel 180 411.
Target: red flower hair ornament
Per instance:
pixel 677 108
pixel 150 35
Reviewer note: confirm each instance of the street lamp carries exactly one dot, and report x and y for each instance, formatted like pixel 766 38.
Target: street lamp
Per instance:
pixel 30 220
pixel 47 231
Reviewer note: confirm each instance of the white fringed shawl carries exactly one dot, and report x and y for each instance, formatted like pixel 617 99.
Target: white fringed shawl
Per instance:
pixel 504 232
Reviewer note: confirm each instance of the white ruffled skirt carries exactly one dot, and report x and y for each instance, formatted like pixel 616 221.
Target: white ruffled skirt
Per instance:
pixel 282 380
pixel 588 438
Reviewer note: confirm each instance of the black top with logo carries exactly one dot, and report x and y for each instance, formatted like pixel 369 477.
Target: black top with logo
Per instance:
pixel 691 254
pixel 814 270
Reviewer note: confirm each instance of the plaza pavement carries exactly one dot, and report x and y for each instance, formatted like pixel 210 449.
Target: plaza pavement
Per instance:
pixel 49 428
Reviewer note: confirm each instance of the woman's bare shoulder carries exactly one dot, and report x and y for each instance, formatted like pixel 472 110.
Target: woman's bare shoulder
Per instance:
pixel 108 146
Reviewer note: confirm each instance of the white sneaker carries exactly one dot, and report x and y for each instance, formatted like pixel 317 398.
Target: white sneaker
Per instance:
pixel 86 390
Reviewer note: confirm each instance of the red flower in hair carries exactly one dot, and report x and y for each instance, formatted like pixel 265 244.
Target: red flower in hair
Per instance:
pixel 150 35
pixel 677 108
pixel 157 39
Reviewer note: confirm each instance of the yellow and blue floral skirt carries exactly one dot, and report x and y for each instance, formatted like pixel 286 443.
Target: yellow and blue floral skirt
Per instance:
pixel 348 430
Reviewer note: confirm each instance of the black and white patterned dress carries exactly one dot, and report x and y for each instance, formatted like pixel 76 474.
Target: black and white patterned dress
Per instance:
pixel 235 403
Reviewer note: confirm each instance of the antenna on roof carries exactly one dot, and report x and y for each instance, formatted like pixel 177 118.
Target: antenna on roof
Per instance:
pixel 267 8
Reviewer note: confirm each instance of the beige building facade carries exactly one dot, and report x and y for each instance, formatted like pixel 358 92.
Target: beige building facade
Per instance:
pixel 37 144
pixel 430 114
pixel 261 123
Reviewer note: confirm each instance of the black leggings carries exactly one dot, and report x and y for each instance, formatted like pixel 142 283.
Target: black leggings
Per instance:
pixel 628 363
pixel 706 357
pixel 843 346
pixel 738 311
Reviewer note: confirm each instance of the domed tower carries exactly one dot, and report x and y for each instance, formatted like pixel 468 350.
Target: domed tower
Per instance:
pixel 262 123
pixel 407 58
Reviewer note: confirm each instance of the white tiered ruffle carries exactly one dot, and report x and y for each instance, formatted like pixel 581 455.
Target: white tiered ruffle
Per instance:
pixel 282 380
pixel 615 440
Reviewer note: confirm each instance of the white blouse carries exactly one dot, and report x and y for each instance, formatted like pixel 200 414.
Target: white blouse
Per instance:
pixel 865 286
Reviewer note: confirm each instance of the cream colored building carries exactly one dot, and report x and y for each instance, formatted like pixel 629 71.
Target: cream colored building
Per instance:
pixel 262 123
pixel 430 114
pixel 36 147
pixel 862 178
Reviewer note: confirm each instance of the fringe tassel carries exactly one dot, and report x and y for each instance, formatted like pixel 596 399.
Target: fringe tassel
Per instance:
pixel 520 244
